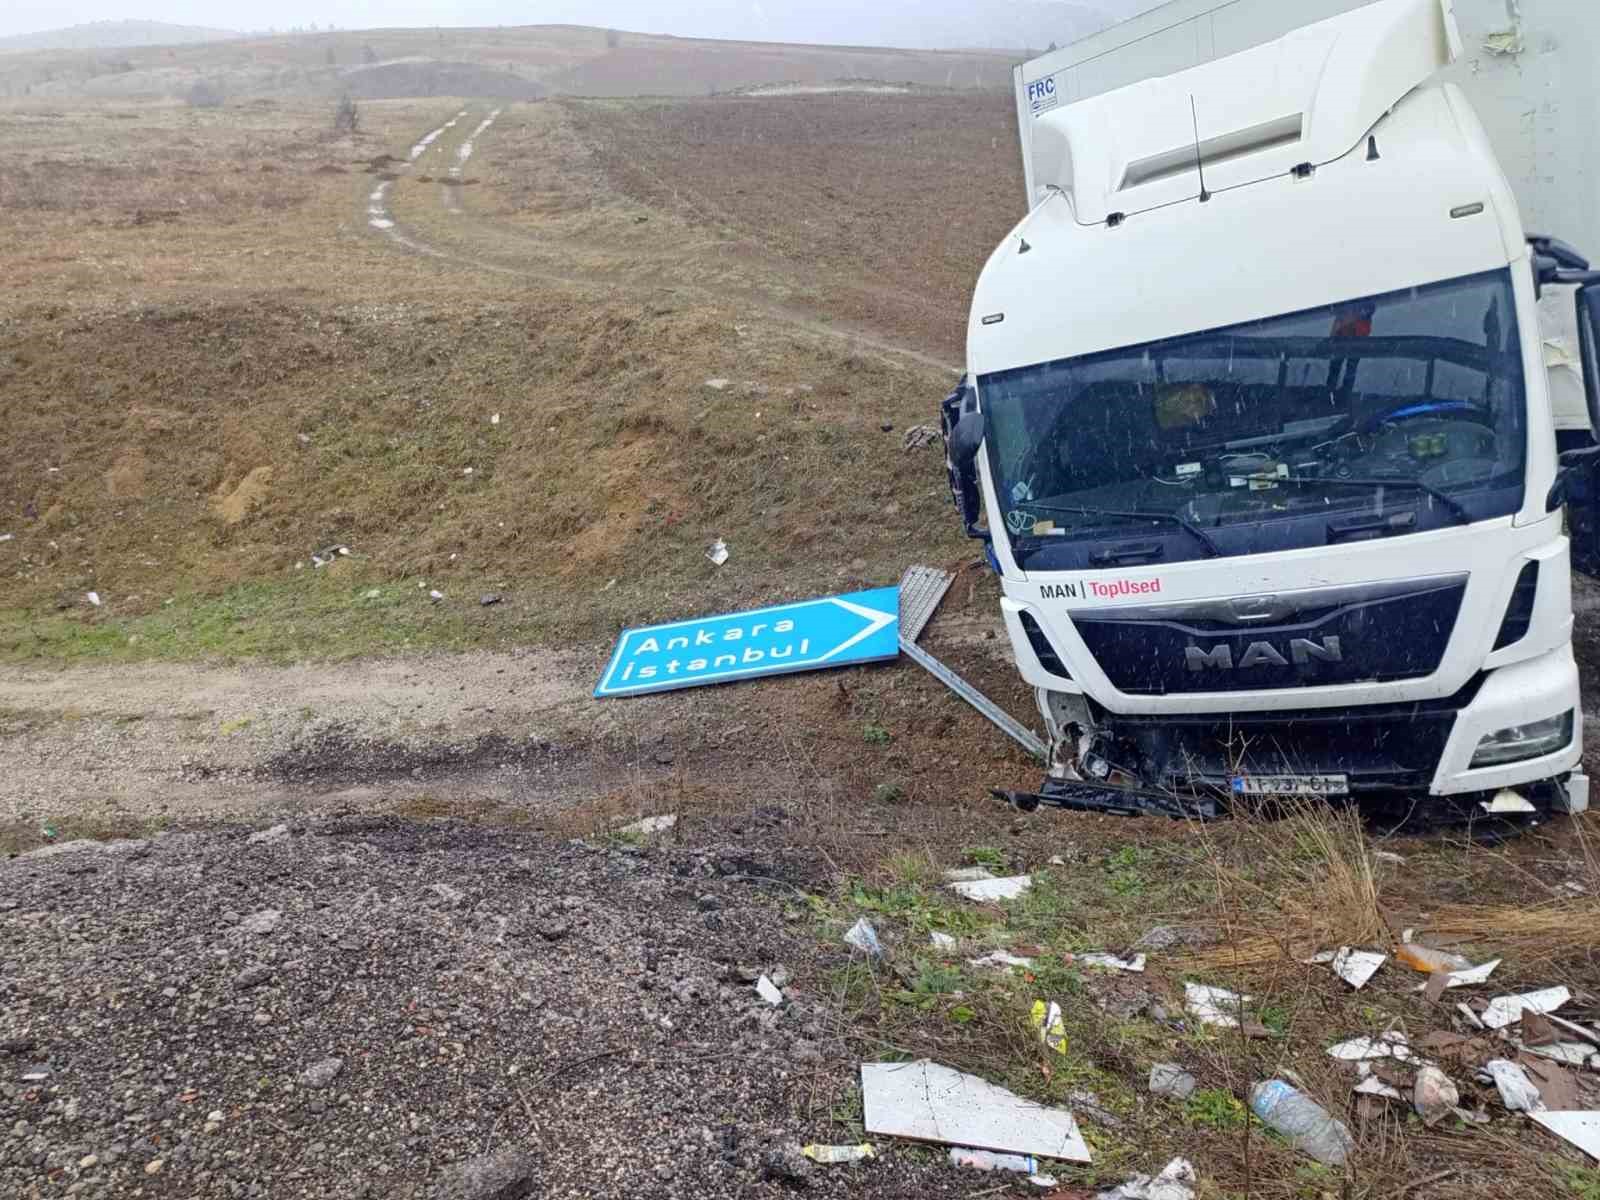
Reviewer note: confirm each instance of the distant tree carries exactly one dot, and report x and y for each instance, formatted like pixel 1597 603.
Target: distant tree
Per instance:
pixel 332 57
pixel 204 93
pixel 613 39
pixel 1051 48
pixel 368 54
pixel 346 117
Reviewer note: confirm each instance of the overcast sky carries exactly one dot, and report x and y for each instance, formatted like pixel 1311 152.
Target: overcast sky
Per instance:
pixel 903 22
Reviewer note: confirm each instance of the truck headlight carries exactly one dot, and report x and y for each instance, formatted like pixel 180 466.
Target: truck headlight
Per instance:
pixel 1517 742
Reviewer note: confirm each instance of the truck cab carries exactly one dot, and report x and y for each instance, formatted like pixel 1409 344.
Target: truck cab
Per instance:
pixel 1257 425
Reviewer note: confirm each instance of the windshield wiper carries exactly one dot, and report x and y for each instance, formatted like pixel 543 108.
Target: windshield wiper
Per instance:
pixel 1188 527
pixel 1453 506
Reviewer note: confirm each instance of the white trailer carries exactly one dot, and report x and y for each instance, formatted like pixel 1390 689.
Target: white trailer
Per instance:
pixel 1258 420
pixel 1529 68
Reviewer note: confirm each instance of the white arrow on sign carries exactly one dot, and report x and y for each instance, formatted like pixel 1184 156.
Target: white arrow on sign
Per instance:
pixel 876 621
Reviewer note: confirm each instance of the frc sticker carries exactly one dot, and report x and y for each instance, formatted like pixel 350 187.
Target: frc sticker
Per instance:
pixel 1042 96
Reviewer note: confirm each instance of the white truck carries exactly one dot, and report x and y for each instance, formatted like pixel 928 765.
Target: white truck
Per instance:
pixel 1258 425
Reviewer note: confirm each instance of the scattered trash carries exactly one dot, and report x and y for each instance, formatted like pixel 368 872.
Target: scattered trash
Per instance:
pixel 1428 960
pixel 6 537
pixel 1389 1045
pixel 1165 937
pixel 719 385
pixel 864 937
pixel 1434 1095
pixel 1517 1091
pixel 1558 1087
pixel 1439 981
pixel 941 941
pixel 929 1103
pixel 1008 888
pixel 1214 1005
pixel 1047 1020
pixel 489 600
pixel 1470 1017
pixel 1172 1184
pixel 827 1155
pixel 1111 962
pixel 1573 1054
pixel 495 420
pixel 466 470
pixel 436 596
pixel 1503 1010
pixel 93 598
pixel 967 874
pixel 717 552
pixel 1582 1129
pixel 1355 967
pixel 1042 1181
pixel 1507 801
pixel 919 436
pixel 1172 1081
pixel 768 991
pixel 36 1077
pixel 998 959
pixel 1302 1120
pixel 1390 857
pixel 650 825
pixel 988 1160
pixel 1373 1085
pixel 322 558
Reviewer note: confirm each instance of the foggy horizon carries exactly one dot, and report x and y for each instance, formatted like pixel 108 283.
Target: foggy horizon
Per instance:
pixel 919 24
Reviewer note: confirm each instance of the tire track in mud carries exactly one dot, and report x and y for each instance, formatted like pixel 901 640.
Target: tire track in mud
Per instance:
pixel 381 218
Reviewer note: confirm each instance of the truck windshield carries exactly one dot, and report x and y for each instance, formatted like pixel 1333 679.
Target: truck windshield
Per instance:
pixel 1383 416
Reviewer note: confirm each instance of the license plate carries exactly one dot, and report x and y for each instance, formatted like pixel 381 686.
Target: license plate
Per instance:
pixel 1291 785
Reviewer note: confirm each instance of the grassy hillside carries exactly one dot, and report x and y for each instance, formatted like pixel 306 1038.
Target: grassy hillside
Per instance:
pixel 111 35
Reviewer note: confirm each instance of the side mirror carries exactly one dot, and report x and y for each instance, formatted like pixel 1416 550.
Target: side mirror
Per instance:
pixel 1589 351
pixel 968 436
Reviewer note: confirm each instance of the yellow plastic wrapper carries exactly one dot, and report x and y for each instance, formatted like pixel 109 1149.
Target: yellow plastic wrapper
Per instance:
pixel 1052 1030
pixel 838 1154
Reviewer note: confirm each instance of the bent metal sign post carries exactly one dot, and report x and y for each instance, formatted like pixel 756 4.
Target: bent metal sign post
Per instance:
pixel 835 631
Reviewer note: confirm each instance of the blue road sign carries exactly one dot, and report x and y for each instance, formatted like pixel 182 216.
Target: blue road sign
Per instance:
pixel 813 634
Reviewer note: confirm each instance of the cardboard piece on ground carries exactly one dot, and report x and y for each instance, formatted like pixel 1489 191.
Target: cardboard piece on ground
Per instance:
pixel 1439 981
pixel 1503 1010
pixel 1389 1045
pixel 1582 1129
pixel 1355 967
pixel 1008 888
pixel 929 1103
pixel 1558 1088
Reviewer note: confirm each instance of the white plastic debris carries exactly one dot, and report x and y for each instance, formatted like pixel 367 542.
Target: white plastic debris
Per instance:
pixel 930 1103
pixel 650 825
pixel 1517 1091
pixel 495 420
pixel 863 937
pixel 1111 962
pixel 1389 1045
pixel 989 1160
pixel 1434 1095
pixel 768 991
pixel 1503 1010
pixel 1371 1085
pixel 1467 1015
pixel 717 552
pixel 967 874
pixel 719 385
pixel 93 598
pixel 1214 1005
pixel 1582 1129
pixel 1174 1183
pixel 36 1077
pixel 1467 978
pixel 436 596
pixel 1573 1054
pixel 1172 1081
pixel 1043 1181
pixel 6 537
pixel 998 959
pixel 941 941
pixel 1355 967
pixel 1507 801
pixel 1008 888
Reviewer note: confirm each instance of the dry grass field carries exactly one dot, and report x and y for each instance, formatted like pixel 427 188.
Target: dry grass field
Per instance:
pixel 625 329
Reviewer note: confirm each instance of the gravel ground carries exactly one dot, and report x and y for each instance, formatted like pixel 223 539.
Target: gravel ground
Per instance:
pixel 367 1007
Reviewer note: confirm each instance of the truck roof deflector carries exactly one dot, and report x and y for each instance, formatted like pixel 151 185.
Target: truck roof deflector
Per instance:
pixel 1311 96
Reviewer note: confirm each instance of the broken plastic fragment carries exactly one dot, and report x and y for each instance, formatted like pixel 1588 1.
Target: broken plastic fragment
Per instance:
pixel 1008 888
pixel 1214 1005
pixel 1000 958
pixel 1507 801
pixel 1433 1095
pixel 838 1154
pixel 1582 1129
pixel 1503 1010
pixel 941 941
pixel 1111 962
pixel 768 991
pixel 1388 1045
pixel 650 825
pixel 1371 1085
pixel 1052 1030
pixel 1517 1091
pixel 1355 967
pixel 93 598
pixel 863 937
pixel 1172 1184
pixel 717 552
pixel 989 1160
pixel 1472 975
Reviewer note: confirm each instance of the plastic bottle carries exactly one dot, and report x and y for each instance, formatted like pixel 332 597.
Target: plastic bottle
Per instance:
pixel 1306 1124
